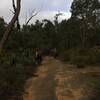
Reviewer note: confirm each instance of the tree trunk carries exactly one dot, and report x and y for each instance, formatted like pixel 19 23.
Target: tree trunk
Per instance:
pixel 17 20
pixel 10 26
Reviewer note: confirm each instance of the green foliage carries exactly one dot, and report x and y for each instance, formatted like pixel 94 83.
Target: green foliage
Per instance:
pixel 13 75
pixel 82 56
pixel 88 12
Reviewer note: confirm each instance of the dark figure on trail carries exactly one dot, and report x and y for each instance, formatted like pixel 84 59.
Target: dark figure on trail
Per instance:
pixel 54 52
pixel 38 56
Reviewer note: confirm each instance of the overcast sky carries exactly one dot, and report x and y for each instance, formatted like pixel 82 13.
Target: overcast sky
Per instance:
pixel 47 9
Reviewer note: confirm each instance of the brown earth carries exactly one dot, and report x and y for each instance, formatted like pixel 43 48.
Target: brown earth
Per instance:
pixel 58 81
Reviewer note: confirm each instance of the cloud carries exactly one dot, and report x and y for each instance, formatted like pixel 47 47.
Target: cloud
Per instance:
pixel 5 7
pixel 47 8
pixel 47 4
pixel 47 15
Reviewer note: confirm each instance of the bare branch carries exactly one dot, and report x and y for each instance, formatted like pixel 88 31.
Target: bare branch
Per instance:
pixel 32 14
pixel 12 11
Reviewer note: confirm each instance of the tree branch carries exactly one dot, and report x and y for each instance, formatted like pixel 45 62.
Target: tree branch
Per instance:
pixel 10 26
pixel 32 15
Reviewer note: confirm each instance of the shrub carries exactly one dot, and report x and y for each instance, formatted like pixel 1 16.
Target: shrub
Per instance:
pixel 82 57
pixel 13 76
pixel 65 56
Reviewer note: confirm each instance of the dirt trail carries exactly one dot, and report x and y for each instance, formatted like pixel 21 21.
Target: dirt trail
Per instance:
pixel 58 81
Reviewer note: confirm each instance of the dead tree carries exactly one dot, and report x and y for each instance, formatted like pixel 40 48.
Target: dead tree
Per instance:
pixel 17 20
pixel 32 14
pixel 10 25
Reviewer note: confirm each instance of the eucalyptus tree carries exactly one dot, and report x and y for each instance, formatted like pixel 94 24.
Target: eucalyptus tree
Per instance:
pixel 10 25
pixel 88 12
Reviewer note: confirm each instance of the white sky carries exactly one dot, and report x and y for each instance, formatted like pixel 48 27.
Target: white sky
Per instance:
pixel 47 8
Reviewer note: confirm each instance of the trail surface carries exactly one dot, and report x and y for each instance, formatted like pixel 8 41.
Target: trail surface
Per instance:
pixel 58 81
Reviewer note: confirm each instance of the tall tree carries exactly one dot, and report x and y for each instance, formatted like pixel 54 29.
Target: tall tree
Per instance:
pixel 87 11
pixel 11 24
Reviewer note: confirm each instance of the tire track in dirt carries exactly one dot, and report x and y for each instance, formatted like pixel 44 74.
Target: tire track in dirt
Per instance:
pixel 43 86
pixel 59 81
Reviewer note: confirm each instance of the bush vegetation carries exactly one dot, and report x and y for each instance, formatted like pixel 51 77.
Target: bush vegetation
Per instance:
pixel 14 70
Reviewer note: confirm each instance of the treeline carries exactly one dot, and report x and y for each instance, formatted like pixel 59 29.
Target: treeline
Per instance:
pixel 80 31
